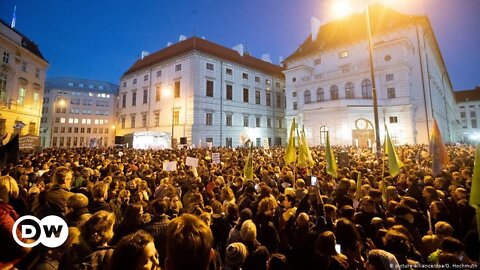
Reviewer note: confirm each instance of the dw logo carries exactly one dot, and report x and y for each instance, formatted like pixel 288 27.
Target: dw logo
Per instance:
pixel 51 231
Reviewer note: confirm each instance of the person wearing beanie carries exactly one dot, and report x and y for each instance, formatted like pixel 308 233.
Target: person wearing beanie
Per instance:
pixel 235 256
pixel 381 260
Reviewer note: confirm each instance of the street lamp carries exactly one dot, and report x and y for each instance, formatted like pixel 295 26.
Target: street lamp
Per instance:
pixel 61 103
pixel 342 8
pixel 167 92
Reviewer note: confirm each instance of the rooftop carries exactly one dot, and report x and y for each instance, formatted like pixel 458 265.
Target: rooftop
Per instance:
pixel 352 29
pixel 81 85
pixel 468 95
pixel 26 42
pixel 208 47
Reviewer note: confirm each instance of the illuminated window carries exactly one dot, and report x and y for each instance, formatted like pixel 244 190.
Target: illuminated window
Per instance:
pixel 62 120
pixel 21 95
pixel 177 89
pixel 343 54
pixel 176 117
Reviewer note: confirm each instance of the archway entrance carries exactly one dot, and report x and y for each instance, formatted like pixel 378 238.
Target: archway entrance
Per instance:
pixel 363 134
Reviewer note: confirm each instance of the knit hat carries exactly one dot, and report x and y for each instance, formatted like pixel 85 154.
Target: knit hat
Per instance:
pixel 382 258
pixel 236 254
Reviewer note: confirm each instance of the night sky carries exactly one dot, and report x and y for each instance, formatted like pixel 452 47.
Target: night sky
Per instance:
pixel 100 39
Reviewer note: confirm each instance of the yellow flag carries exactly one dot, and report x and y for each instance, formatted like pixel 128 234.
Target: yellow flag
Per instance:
pixel 475 191
pixel 394 163
pixel 330 158
pixel 308 154
pixel 358 192
pixel 290 152
pixel 248 168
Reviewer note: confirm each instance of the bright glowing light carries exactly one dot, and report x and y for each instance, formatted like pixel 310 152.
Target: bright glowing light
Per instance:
pixel 341 8
pixel 167 91
pixel 61 102
pixel 113 127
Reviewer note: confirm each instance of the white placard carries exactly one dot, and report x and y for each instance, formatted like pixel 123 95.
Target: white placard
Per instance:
pixel 210 145
pixel 216 157
pixel 170 166
pixel 191 162
pixel 265 143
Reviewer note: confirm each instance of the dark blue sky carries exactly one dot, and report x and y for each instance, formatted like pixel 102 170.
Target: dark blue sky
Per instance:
pixel 100 39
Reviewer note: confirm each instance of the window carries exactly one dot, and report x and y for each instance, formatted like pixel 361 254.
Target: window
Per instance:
pixel 89 130
pixel 209 86
pixel 280 123
pixel 245 121
pixel 82 141
pixel 389 77
pixel 75 141
pixel 134 98
pixel 228 120
pixel 132 121
pixel 100 130
pixel 257 97
pixel 156 119
pixel 37 73
pixel 176 117
pixel 257 121
pixel 268 82
pixel 277 84
pixel 294 94
pixel 258 142
pixel 245 95
pixel 307 97
pixel 295 107
pixel 209 66
pixel 145 96
pixel 6 57
pixel 344 70
pixel 269 122
pixel 159 73
pixel 177 89
pixel 75 130
pixel 124 84
pixel 158 92
pixel 391 92
pixel 294 79
pixel 124 100
pixel 334 92
pixel 229 71
pixel 94 130
pixel 349 90
pixel 228 142
pixel 464 123
pixel 229 92
pixel 134 81
pixel 473 114
pixel 474 123
pixel 82 130
pixel 245 76
pixel 268 99
pixel 366 89
pixel 208 119
pixel 178 67
pixel 320 94
pixel 343 54
pixel 317 61
pixel 145 78
pixel 122 122
pixel 257 79
pixel 21 95
pixel 3 87
pixel 323 134
pixel 55 129
pixel 463 115
pixel 24 66
pixel 144 120
pixel 279 101
pixel 393 119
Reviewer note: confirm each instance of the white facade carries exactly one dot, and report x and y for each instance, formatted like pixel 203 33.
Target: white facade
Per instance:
pixel 468 103
pixel 78 112
pixel 22 79
pixel 411 82
pixel 149 101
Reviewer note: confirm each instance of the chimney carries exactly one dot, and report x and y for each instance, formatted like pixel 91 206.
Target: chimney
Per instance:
pixel 266 58
pixel 239 49
pixel 144 54
pixel 181 38
pixel 169 44
pixel 315 27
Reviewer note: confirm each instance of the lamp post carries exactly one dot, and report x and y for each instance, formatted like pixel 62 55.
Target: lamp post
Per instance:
pixel 61 103
pixel 374 88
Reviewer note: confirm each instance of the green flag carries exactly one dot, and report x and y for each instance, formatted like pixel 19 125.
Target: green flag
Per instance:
pixel 394 163
pixel 308 155
pixel 290 152
pixel 331 162
pixel 248 169
pixel 475 192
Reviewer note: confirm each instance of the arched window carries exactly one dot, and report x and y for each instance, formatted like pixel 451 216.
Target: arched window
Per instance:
pixel 334 92
pixel 307 97
pixel 320 95
pixel 349 90
pixel 366 89
pixel 323 134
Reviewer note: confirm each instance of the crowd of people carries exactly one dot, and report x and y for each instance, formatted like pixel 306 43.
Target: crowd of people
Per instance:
pixel 124 211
